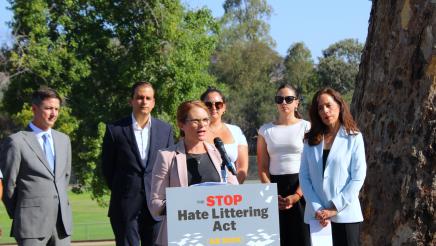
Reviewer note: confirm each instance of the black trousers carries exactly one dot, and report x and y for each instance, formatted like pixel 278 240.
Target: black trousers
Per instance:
pixel 293 230
pixel 346 234
pixel 142 229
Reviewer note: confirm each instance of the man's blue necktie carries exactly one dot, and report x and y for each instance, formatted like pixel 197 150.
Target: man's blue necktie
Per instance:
pixel 48 151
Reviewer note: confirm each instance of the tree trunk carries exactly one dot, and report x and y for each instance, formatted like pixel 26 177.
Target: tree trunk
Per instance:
pixel 394 104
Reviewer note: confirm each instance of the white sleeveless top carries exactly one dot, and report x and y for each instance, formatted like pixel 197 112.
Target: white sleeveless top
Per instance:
pixel 284 145
pixel 238 138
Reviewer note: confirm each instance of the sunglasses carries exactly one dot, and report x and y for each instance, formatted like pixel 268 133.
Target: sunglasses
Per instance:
pixel 287 99
pixel 218 105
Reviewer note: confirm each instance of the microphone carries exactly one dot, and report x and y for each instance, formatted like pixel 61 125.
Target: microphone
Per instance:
pixel 226 159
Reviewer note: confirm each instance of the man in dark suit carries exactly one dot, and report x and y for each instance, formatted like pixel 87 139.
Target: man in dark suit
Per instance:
pixel 36 164
pixel 129 151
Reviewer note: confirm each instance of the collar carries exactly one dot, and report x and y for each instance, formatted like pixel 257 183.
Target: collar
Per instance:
pixel 180 147
pixel 38 132
pixel 343 132
pixel 137 127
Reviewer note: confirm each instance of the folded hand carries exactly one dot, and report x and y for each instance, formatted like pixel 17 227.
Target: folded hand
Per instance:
pixel 324 215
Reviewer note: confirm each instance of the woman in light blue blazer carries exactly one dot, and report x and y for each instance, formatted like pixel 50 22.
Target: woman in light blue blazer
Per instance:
pixel 333 168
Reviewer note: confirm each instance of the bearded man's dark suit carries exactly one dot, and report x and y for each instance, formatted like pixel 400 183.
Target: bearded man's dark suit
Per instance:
pixel 129 179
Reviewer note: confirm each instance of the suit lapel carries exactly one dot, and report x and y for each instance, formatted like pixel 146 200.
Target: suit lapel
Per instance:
pixel 337 142
pixel 318 149
pixel 30 139
pixel 152 142
pixel 58 150
pixel 181 163
pixel 130 136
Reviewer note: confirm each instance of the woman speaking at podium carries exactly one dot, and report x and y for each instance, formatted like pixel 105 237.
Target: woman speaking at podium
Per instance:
pixel 191 161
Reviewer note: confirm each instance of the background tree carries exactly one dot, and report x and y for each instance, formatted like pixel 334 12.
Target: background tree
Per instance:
pixel 92 52
pixel 7 126
pixel 395 106
pixel 300 72
pixel 246 68
pixel 246 63
pixel 339 65
pixel 299 66
pixel 245 20
pixel 40 55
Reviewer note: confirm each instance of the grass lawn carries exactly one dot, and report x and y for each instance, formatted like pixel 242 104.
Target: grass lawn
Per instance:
pixel 90 220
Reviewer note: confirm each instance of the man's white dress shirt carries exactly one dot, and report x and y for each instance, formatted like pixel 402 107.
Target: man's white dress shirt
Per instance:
pixel 142 136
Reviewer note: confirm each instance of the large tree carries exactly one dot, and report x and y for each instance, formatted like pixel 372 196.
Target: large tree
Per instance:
pixel 246 68
pixel 395 105
pixel 300 72
pixel 299 66
pixel 246 63
pixel 92 51
pixel 338 66
pixel 245 20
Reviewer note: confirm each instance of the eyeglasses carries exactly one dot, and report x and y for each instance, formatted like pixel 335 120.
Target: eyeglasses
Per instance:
pixel 218 105
pixel 287 99
pixel 196 122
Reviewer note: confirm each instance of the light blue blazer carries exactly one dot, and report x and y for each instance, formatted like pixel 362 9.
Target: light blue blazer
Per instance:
pixel 343 177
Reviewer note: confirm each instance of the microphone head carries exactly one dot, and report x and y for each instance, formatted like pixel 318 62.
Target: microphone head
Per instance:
pixel 218 141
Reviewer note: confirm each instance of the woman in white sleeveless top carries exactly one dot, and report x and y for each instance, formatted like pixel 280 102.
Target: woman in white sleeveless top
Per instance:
pixel 279 149
pixel 234 140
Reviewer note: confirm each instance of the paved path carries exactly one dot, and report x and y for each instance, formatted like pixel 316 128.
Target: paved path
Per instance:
pixel 94 243
pixel 89 243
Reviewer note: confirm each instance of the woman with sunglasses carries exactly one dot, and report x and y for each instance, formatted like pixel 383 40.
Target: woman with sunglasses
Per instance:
pixel 279 148
pixel 333 168
pixel 234 140
pixel 191 161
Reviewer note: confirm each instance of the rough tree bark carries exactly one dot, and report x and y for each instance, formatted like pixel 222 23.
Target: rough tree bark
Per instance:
pixel 395 105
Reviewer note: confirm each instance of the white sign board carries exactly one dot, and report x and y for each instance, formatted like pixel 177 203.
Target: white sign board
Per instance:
pixel 223 215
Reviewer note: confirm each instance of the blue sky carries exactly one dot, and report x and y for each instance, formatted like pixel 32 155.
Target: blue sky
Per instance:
pixel 317 23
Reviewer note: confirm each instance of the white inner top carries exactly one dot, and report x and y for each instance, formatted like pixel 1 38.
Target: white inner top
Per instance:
pixel 284 145
pixel 238 138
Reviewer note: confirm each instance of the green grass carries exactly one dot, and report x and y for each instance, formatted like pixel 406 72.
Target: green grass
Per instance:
pixel 90 222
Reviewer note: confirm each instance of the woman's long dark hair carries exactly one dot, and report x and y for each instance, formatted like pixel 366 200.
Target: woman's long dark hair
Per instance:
pixel 211 89
pixel 297 94
pixel 318 128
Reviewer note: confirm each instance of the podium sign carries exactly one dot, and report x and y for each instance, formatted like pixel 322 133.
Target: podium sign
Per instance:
pixel 223 215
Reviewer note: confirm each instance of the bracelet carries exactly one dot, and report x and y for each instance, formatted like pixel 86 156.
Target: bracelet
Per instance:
pixel 298 194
